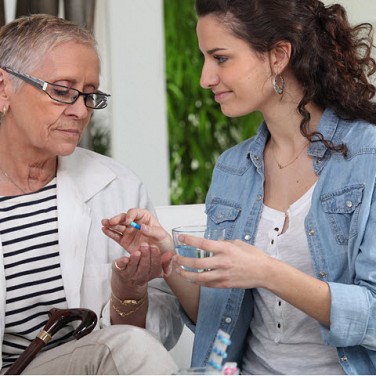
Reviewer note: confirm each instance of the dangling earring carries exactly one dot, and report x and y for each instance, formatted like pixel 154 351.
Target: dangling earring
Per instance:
pixel 279 84
pixel 5 110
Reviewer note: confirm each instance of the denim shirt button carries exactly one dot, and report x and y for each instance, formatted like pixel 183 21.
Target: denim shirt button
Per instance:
pixel 259 197
pixel 344 358
pixel 228 320
pixel 322 274
pixel 349 204
pixel 311 232
pixel 247 237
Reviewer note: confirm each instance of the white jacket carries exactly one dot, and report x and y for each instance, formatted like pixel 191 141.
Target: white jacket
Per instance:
pixel 91 187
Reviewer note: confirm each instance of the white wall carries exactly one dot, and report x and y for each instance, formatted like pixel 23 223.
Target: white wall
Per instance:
pixel 358 10
pixel 139 125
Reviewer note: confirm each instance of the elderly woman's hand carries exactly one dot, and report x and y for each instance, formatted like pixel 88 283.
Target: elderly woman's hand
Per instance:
pixel 129 283
pixel 119 228
pixel 130 275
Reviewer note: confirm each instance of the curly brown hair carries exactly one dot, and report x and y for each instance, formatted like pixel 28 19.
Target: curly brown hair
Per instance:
pixel 330 58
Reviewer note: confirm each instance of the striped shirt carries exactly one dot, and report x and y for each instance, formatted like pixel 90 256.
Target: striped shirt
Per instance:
pixel 29 236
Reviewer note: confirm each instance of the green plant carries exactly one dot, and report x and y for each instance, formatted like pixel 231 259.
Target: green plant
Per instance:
pixel 96 137
pixel 198 131
pixel 101 139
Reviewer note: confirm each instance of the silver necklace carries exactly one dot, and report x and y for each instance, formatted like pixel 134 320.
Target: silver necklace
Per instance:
pixel 291 162
pixel 12 181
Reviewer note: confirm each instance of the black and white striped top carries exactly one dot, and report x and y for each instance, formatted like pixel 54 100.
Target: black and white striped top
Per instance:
pixel 29 237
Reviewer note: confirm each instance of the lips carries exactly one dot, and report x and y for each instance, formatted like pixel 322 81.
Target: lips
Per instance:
pixel 70 132
pixel 221 95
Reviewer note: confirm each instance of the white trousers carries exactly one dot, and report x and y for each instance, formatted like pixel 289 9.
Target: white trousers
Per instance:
pixel 116 350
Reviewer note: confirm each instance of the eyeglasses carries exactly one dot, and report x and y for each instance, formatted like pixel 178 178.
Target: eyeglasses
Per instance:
pixel 63 94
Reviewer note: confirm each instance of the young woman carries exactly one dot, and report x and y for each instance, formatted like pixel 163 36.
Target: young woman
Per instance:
pixel 295 283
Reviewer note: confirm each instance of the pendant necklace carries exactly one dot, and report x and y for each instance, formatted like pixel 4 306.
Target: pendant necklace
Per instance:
pixel 291 162
pixel 12 181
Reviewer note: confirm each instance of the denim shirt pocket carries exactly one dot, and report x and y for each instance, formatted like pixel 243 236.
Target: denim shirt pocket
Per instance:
pixel 342 207
pixel 223 214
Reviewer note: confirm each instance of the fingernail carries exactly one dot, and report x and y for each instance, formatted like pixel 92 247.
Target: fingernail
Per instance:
pixel 169 269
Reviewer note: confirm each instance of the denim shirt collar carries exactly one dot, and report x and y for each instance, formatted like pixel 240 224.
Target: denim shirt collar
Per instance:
pixel 327 126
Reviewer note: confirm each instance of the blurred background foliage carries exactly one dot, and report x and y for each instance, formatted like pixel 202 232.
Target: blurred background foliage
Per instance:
pixel 198 131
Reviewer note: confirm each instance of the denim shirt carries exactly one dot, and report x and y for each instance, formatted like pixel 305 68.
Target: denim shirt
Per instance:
pixel 341 232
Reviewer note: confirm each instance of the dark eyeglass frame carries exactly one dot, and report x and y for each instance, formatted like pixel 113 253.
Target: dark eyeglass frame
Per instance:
pixel 42 85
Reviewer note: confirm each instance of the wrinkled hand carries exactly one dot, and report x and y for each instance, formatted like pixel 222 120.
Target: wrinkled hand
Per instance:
pixel 119 229
pixel 234 264
pixel 130 275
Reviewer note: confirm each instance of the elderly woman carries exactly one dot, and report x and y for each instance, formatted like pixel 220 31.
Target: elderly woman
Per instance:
pixel 53 197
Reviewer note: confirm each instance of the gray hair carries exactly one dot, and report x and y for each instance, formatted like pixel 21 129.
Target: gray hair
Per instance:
pixel 25 41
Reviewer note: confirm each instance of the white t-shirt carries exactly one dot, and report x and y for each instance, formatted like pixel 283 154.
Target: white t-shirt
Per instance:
pixel 285 340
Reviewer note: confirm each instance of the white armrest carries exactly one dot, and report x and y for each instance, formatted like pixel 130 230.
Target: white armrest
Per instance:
pixel 174 216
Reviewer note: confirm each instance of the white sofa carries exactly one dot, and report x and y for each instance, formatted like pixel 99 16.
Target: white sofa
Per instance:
pixel 173 216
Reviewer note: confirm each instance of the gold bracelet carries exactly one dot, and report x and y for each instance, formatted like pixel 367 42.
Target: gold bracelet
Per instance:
pixel 125 314
pixel 129 302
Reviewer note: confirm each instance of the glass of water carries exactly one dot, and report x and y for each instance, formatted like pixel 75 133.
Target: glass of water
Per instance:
pixel 200 232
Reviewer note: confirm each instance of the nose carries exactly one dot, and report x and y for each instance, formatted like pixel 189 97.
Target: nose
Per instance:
pixel 209 76
pixel 78 108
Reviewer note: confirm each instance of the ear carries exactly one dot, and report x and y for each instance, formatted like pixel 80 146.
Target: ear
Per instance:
pixel 280 56
pixel 4 87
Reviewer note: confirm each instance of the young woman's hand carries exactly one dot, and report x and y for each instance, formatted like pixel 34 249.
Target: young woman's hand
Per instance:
pixel 234 264
pixel 119 228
